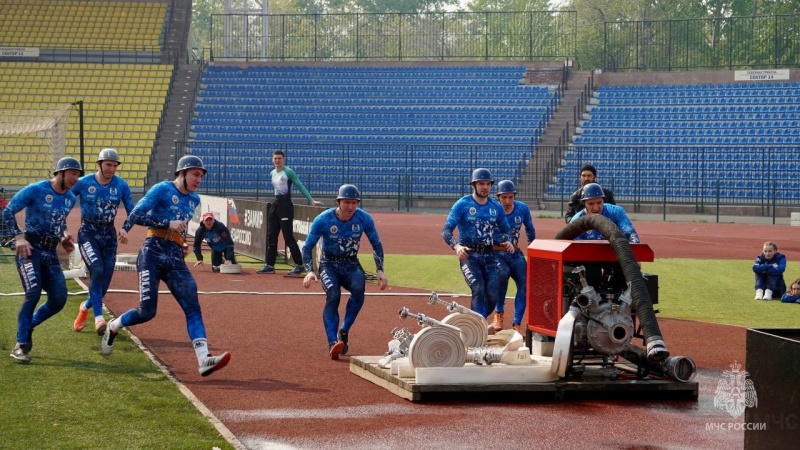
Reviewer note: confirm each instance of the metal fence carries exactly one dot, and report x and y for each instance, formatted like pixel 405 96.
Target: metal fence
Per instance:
pixel 383 170
pixel 703 176
pixel 721 43
pixel 435 36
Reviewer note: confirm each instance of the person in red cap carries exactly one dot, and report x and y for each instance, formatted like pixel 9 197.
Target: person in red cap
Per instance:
pixel 217 237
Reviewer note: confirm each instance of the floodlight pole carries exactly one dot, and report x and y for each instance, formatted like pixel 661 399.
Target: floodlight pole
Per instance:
pixel 80 126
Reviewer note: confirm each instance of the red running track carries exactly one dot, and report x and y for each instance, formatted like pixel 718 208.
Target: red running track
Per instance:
pixel 282 391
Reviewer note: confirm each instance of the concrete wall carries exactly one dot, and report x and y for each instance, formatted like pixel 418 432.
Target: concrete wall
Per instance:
pixel 655 78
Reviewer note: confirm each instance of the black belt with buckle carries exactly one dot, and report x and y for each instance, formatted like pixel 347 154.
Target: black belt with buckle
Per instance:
pixel 99 222
pixel 43 241
pixel 332 258
pixel 480 248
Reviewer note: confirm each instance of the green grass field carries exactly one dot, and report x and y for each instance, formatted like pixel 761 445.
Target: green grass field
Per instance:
pixel 74 398
pixel 702 290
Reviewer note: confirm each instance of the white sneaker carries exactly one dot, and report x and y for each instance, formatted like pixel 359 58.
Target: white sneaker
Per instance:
pixel 767 295
pixel 759 294
pixel 20 354
pixel 213 363
pixel 107 343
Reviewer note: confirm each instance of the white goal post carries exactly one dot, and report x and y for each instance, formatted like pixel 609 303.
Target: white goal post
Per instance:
pixel 32 140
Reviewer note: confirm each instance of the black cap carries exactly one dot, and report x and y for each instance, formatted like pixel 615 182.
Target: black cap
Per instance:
pixel 590 168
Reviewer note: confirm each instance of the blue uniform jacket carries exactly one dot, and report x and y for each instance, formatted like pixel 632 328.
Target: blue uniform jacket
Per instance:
pixel 762 265
pixel 46 210
pixel 99 203
pixel 342 239
pixel 615 214
pixel 162 204
pixel 477 224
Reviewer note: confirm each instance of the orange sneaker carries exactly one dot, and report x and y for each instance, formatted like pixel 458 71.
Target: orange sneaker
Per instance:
pixel 100 327
pixel 80 321
pixel 498 321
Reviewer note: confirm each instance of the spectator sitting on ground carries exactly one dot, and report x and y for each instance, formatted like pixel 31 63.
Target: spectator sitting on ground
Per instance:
pixel 793 294
pixel 769 267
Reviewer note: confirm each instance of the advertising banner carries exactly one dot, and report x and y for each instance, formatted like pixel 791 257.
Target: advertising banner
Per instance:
pixel 303 216
pixel 247 222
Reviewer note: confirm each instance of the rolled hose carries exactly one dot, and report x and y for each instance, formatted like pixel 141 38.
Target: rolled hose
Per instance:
pixel 656 349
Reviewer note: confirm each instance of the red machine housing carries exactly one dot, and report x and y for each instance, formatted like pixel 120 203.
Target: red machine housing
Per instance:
pixel 547 259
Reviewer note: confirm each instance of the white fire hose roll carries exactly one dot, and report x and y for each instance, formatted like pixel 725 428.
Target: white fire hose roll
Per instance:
pixel 473 328
pixel 437 347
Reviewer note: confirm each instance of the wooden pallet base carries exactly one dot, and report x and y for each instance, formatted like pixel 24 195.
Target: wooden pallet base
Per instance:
pixel 589 386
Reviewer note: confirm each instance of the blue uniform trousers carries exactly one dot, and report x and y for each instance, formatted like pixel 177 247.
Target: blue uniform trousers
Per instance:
pixel 515 266
pixel 162 260
pixel 40 271
pixel 98 246
pixel 483 278
pixel 335 275
pixel 774 283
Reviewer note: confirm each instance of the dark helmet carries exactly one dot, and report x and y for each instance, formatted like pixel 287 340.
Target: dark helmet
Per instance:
pixel 67 164
pixel 348 191
pixel 481 175
pixel 190 162
pixel 592 190
pixel 108 154
pixel 506 187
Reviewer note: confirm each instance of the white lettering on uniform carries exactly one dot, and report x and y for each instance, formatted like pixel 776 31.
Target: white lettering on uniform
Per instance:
pixel 144 286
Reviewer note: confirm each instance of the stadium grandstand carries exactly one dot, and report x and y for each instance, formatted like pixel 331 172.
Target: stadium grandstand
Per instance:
pixel 388 122
pixel 694 137
pixel 104 59
pixel 402 126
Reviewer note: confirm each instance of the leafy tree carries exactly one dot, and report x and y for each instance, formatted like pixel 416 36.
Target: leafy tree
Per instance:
pixel 371 6
pixel 202 11
pixel 724 40
pixel 509 5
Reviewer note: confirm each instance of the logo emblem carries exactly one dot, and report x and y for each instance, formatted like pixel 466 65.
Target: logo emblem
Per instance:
pixel 472 211
pixel 48 198
pixel 174 199
pixel 735 392
pixel 92 189
pixel 334 229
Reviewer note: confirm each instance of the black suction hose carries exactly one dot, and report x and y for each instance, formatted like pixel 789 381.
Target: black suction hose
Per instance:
pixel 656 349
pixel 679 368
